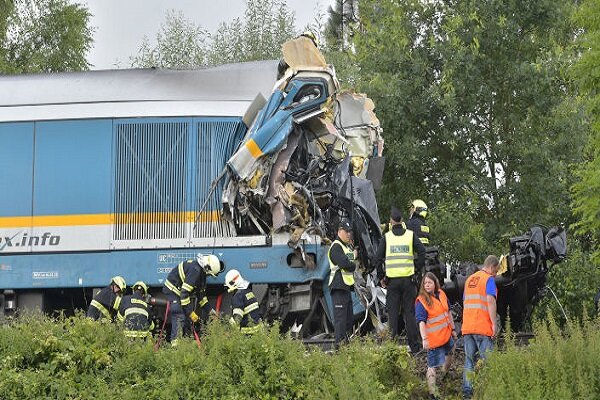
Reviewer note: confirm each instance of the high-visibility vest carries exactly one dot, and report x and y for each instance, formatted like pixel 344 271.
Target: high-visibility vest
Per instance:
pixel 476 319
pixel 399 256
pixel 438 328
pixel 348 277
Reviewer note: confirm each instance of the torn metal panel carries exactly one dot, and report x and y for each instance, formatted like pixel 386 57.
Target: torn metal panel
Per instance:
pixel 304 160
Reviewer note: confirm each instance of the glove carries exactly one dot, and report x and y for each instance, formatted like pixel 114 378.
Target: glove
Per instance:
pixel 194 317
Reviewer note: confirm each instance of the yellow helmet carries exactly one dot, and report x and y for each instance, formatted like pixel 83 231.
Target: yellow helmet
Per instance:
pixel 119 281
pixel 139 285
pixel 420 207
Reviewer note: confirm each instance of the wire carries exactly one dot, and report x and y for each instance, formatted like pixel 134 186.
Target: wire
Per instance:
pixel 558 301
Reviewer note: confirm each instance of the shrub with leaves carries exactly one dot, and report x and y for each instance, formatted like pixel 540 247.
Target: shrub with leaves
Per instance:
pixel 76 358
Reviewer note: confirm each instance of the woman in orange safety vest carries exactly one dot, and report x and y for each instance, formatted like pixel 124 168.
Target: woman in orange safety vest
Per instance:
pixel 436 325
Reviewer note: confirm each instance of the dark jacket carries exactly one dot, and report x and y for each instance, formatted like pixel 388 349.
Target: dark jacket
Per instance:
pixel 338 257
pixel 135 314
pixel 418 248
pixel 418 225
pixel 104 305
pixel 194 282
pixel 245 305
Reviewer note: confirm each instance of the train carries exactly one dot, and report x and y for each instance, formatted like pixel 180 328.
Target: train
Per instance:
pixel 130 172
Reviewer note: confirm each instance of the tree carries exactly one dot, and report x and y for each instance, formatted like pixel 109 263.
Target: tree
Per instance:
pixel 585 191
pixel 43 36
pixel 266 25
pixel 478 114
pixel 179 44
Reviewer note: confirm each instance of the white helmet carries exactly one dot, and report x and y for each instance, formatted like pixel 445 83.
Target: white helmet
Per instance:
pixel 233 279
pixel 420 207
pixel 210 263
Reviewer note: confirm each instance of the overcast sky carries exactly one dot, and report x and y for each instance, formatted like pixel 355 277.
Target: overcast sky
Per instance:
pixel 121 24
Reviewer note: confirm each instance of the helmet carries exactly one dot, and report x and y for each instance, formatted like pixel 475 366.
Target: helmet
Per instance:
pixel 119 281
pixel 233 278
pixel 420 208
pixel 139 285
pixel 210 263
pixel 311 36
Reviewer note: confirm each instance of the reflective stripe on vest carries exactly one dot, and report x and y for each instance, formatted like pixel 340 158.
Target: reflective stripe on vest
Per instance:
pixel 136 334
pixel 117 303
pixel 172 287
pixel 437 327
pixel 399 256
pixel 476 319
pixel 347 277
pixel 249 330
pixel 135 310
pixel 101 308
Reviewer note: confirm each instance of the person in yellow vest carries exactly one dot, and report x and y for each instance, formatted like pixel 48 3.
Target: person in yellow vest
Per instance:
pixel 479 326
pixel 341 280
pixel 396 267
pixel 432 310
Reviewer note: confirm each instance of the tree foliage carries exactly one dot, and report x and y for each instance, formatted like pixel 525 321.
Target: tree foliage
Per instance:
pixel 585 71
pixel 478 113
pixel 266 25
pixel 43 36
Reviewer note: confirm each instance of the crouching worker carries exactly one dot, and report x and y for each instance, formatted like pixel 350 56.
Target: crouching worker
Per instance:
pixel 184 281
pixel 134 314
pixel 106 302
pixel 243 303
pixel 437 328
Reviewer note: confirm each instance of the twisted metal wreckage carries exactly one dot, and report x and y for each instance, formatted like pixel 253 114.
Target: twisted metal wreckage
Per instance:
pixel 314 154
pixel 309 158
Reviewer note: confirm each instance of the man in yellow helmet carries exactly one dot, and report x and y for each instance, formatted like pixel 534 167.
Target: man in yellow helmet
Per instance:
pixel 134 312
pixel 106 302
pixel 417 223
pixel 396 267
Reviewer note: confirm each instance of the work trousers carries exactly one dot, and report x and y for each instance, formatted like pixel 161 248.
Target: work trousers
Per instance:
pixel 402 291
pixel 476 347
pixel 180 324
pixel 342 314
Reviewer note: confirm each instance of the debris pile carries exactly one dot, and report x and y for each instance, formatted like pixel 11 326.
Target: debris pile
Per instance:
pixel 312 155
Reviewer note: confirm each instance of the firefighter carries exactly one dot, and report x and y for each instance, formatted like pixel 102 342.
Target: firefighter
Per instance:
pixel 341 280
pixel 106 302
pixel 134 314
pixel 396 271
pixel 244 304
pixel 436 325
pixel 417 223
pixel 479 326
pixel 185 280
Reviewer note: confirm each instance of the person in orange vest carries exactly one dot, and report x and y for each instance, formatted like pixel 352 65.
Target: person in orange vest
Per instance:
pixel 437 328
pixel 479 325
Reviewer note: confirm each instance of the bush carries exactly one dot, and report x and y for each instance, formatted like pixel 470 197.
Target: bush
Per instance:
pixel 76 358
pixel 560 363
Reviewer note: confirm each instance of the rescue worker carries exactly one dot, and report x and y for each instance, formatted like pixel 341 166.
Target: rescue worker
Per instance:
pixel 185 280
pixel 417 223
pixel 341 256
pixel 396 272
pixel 134 312
pixel 479 326
pixel 243 303
pixel 106 302
pixel 436 325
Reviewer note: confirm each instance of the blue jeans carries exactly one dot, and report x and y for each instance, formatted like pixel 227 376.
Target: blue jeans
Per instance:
pixel 476 346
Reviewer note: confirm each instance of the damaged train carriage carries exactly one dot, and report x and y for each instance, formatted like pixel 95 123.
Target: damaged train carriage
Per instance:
pixel 131 172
